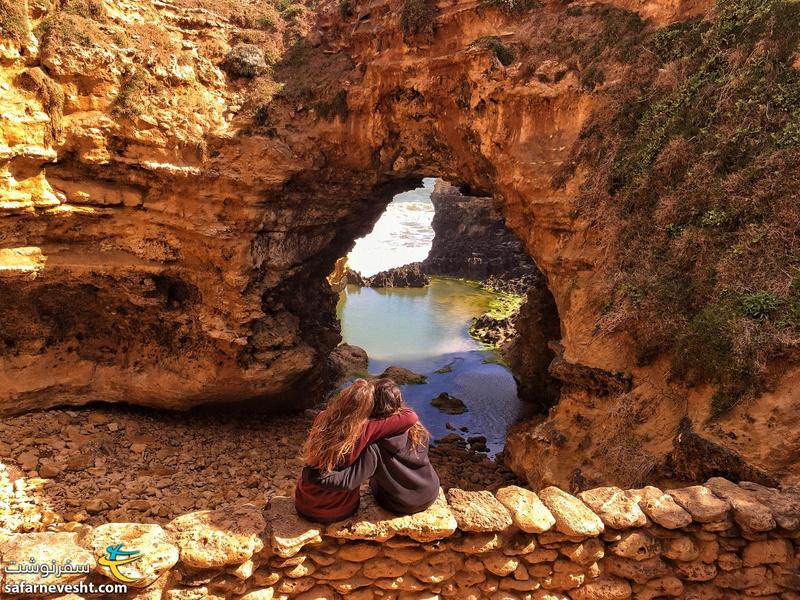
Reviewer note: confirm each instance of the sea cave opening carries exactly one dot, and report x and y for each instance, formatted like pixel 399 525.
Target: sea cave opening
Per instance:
pixel 442 295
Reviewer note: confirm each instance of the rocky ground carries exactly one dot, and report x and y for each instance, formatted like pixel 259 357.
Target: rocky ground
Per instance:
pixel 120 464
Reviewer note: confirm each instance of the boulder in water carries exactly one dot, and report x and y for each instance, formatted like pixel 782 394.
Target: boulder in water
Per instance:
pixel 449 404
pixel 349 361
pixel 409 275
pixel 403 376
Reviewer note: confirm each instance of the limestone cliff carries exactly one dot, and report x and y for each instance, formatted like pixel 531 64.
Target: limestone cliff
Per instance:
pixel 179 179
pixel 471 241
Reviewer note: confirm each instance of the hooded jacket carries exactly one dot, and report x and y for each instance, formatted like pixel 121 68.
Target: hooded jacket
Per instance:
pixel 328 504
pixel 403 480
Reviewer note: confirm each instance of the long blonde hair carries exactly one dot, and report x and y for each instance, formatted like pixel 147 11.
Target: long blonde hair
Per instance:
pixel 334 434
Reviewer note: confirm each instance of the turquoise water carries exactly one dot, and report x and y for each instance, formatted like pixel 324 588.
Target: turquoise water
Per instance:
pixel 425 330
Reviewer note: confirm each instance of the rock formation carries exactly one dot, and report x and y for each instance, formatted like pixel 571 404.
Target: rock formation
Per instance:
pixel 169 208
pixel 406 276
pixel 714 541
pixel 471 240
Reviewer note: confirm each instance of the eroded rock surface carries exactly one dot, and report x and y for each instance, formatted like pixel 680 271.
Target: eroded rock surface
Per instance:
pixel 439 553
pixel 170 208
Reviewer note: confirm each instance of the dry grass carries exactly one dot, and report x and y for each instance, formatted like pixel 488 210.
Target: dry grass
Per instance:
pixel 13 20
pixel 49 93
pixel 696 166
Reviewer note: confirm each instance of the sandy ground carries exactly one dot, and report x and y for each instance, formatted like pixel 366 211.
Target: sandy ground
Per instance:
pixel 115 464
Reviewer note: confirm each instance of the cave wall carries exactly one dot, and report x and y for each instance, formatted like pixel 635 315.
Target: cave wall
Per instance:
pixel 176 254
pixel 711 542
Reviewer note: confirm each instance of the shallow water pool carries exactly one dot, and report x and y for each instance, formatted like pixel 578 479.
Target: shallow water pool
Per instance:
pixel 426 330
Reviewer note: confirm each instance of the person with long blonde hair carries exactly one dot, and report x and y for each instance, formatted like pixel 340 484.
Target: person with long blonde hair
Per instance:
pixel 339 435
pixel 401 476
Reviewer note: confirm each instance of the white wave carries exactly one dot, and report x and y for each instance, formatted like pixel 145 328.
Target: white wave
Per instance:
pixel 402 235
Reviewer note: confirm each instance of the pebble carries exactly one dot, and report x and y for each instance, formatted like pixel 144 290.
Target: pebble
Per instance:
pixel 145 466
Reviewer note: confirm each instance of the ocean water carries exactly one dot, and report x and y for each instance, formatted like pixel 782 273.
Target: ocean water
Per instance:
pixel 427 329
pixel 402 235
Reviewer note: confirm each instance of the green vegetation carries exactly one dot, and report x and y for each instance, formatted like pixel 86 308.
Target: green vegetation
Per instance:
pixel 130 99
pixel 503 304
pixel 49 93
pixel 417 17
pixel 13 20
pixel 503 53
pixel 759 305
pixel 88 9
pixel 68 28
pixel 696 167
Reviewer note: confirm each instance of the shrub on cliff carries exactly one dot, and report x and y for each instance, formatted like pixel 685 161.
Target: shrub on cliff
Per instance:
pixel 13 20
pixel 49 93
pixel 503 53
pixel 695 165
pixel 417 17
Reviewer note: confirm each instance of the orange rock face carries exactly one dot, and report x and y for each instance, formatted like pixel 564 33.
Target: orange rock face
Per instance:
pixel 166 227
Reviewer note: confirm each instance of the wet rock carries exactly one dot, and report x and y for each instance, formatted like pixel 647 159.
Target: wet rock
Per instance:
pixel 409 275
pixel 527 510
pixel 449 404
pixel 355 278
pixel 158 555
pixel 402 376
pixel 215 538
pixel 572 516
pixel 478 511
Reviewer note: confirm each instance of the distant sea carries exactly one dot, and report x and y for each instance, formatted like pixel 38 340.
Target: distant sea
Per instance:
pixel 402 235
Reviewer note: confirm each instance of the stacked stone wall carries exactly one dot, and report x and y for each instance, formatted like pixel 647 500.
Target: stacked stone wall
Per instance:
pixel 715 541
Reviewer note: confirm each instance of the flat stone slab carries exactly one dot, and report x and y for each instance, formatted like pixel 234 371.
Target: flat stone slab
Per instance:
pixel 572 516
pixel 216 538
pixel 45 547
pixel 701 503
pixel 747 510
pixel 290 531
pixel 527 511
pixel 785 507
pixel 374 523
pixel 662 508
pixel 157 554
pixel 619 509
pixel 478 511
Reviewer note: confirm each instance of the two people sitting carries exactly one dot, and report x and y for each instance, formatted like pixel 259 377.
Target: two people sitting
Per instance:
pixel 366 432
